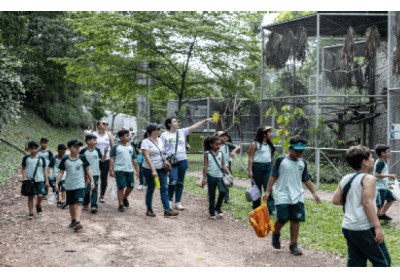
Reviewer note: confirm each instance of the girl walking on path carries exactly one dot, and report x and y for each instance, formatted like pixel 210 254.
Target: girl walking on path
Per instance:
pixel 212 174
pixel 153 149
pixel 104 139
pixel 261 159
pixel 174 141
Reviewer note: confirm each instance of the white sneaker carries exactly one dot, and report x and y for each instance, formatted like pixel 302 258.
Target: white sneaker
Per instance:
pixel 179 206
pixel 170 204
pixel 140 187
pixel 213 217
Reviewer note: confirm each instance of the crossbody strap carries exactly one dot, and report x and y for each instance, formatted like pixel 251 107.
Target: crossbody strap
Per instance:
pixel 37 165
pixel 347 187
pixel 162 158
pixel 217 162
pixel 176 143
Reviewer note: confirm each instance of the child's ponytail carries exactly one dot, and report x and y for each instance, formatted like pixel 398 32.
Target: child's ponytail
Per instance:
pixel 208 141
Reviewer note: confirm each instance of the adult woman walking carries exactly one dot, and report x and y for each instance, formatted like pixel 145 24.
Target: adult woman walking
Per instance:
pixel 261 158
pixel 153 150
pixel 104 139
pixel 87 131
pixel 174 141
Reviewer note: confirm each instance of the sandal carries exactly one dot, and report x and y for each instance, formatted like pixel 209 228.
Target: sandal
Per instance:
pixel 150 213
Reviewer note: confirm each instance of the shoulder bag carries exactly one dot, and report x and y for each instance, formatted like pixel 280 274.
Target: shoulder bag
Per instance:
pixel 27 188
pixel 166 165
pixel 172 158
pixel 228 182
pixel 347 187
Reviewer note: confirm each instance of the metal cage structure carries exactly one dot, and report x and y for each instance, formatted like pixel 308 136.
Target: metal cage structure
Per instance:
pixel 348 80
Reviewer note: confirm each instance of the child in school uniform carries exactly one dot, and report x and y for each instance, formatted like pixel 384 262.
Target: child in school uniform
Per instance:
pixel 29 163
pixel 361 227
pixel 47 155
pixel 212 174
pixel 381 172
pixel 289 172
pixel 53 170
pixel 122 161
pixel 94 157
pixel 76 166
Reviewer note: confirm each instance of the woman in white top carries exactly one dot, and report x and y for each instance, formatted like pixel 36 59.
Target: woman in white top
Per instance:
pixel 104 139
pixel 153 154
pixel 174 141
pixel 87 131
pixel 361 227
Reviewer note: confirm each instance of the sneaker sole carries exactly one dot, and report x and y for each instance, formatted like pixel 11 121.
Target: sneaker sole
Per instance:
pixel 78 227
pixel 296 254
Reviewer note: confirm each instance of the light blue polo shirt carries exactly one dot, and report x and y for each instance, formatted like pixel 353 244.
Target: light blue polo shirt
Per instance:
pixel 93 156
pixel 75 178
pixel 381 167
pixel 214 169
pixel 262 154
pixel 123 154
pixel 30 164
pixel 55 164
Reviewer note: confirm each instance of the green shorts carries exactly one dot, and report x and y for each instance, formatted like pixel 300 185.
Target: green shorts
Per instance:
pixel 290 212
pixel 124 179
pixel 39 188
pixel 61 185
pixel 384 195
pixel 75 196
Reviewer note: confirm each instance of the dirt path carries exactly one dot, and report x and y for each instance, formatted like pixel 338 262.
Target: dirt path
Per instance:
pixel 393 212
pixel 132 239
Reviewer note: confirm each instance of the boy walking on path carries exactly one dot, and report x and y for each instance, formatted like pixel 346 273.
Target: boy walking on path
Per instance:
pixel 381 172
pixel 29 164
pixel 76 166
pixel 361 227
pixel 122 160
pixel 94 157
pixel 54 169
pixel 289 172
pixel 47 155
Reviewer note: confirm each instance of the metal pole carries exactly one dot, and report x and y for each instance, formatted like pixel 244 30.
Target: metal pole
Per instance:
pixel 262 76
pixel 389 61
pixel 208 114
pixel 317 152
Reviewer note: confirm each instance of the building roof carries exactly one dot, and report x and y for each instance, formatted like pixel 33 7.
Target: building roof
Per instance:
pixel 334 24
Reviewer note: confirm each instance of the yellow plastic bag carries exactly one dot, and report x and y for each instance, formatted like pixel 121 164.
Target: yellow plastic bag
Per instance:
pixel 259 220
pixel 157 182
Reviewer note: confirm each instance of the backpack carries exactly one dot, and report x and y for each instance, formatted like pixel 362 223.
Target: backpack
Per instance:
pixel 259 220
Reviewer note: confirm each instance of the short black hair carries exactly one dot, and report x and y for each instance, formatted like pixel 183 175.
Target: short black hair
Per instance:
pixel 297 139
pixel 90 137
pixel 61 147
pixel 122 132
pixel 168 122
pixel 44 140
pixel 381 148
pixel 356 154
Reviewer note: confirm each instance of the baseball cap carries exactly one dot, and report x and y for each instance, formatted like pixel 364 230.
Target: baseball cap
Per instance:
pixel 32 144
pixel 299 146
pixel 153 126
pixel 74 143
pixel 61 147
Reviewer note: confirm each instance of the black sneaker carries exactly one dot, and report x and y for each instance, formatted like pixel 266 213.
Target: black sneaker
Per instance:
pixel 59 204
pixel 295 250
pixel 93 210
pixel 121 208
pixel 63 205
pixel 77 226
pixel 72 224
pixel 31 216
pixel 227 201
pixel 384 217
pixel 220 214
pixel 126 202
pixel 102 200
pixel 39 210
pixel 275 240
pixel 170 213
pixel 150 213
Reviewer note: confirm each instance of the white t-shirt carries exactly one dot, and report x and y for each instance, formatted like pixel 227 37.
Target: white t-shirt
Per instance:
pixel 155 156
pixel 355 217
pixel 88 131
pixel 169 141
pixel 103 142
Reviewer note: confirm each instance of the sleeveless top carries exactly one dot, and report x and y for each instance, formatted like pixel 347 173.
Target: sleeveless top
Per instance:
pixel 102 143
pixel 262 154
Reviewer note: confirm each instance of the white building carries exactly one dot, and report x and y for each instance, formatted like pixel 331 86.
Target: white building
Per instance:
pixel 121 121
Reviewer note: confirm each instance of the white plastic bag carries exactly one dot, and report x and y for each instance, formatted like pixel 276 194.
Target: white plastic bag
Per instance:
pixel 52 198
pixel 252 192
pixel 113 190
pixel 395 189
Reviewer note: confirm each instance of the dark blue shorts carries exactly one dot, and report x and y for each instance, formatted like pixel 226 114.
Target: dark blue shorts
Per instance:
pixel 290 212
pixel 124 179
pixel 75 196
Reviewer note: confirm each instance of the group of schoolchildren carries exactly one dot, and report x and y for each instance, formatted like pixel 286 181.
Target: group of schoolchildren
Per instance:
pixel 365 198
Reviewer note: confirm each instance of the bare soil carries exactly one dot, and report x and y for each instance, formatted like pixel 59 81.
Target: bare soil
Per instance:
pixel 130 239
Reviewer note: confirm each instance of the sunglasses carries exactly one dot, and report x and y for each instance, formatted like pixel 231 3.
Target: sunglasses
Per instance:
pixel 105 123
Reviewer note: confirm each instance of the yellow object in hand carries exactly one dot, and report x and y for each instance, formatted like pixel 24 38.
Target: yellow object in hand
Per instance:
pixel 216 117
pixel 157 182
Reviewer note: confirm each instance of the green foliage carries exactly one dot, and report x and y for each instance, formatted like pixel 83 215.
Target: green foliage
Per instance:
pixel 287 15
pixel 30 124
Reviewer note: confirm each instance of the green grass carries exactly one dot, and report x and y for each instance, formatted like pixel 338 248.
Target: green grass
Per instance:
pixel 322 229
pixel 32 125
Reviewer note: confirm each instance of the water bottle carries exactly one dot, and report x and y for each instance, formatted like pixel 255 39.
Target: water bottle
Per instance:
pixel 157 182
pixel 52 199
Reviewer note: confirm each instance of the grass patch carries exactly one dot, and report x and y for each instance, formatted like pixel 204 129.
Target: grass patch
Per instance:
pixel 322 229
pixel 32 125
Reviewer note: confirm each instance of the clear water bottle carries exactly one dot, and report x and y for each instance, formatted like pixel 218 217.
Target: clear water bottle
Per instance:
pixel 52 198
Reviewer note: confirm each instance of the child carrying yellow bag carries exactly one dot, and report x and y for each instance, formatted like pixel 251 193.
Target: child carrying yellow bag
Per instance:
pixel 259 219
